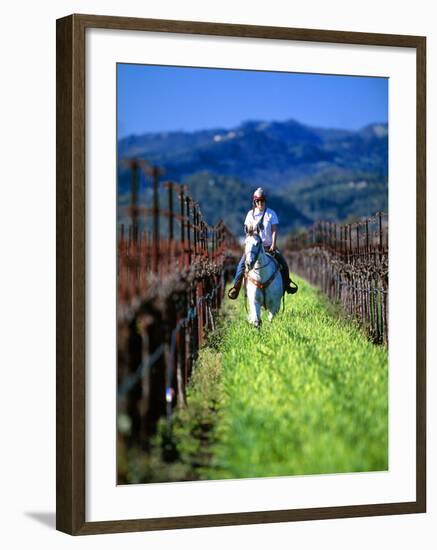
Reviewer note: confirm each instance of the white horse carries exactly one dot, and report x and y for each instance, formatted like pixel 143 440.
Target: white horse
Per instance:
pixel 263 280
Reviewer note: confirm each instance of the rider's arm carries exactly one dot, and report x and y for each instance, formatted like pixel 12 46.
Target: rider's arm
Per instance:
pixel 274 236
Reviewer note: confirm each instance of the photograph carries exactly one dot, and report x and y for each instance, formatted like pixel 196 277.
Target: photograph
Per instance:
pixel 252 252
pixel 222 252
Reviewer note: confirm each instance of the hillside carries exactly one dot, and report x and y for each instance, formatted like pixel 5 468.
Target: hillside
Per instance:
pixel 308 172
pixel 228 198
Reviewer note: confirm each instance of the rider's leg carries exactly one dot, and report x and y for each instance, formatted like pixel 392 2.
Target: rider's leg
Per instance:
pixel 234 291
pixel 285 271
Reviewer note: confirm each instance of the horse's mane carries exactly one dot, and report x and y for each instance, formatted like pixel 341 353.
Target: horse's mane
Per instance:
pixel 251 229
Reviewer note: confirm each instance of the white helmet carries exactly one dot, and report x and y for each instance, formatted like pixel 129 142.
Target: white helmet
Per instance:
pixel 259 194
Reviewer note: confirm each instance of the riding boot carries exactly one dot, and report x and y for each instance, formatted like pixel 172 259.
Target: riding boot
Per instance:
pixel 286 281
pixel 285 272
pixel 235 290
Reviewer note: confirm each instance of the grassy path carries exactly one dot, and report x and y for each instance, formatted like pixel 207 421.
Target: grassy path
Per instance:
pixel 305 394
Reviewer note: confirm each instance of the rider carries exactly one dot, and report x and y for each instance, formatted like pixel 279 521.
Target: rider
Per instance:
pixel 266 221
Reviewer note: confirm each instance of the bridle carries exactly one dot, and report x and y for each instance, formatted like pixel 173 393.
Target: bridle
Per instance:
pixel 258 251
pixel 261 286
pixel 259 246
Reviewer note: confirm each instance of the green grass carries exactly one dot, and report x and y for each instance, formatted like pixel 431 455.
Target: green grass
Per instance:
pixel 305 394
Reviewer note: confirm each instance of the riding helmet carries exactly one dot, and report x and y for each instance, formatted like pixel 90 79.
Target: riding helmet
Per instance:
pixel 259 194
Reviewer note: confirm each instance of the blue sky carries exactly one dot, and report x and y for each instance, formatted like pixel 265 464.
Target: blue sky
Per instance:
pixel 161 99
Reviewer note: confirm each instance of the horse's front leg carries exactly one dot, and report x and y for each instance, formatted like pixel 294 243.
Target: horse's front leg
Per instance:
pixel 254 306
pixel 257 321
pixel 274 308
pixel 274 298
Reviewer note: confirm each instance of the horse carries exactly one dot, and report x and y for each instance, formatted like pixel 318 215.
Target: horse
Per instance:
pixel 263 280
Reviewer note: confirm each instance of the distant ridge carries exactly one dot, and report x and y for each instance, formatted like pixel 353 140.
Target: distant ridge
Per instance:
pixel 317 170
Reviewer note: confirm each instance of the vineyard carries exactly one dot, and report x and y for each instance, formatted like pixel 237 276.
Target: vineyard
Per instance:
pixel 350 264
pixel 185 372
pixel 170 286
pixel 306 394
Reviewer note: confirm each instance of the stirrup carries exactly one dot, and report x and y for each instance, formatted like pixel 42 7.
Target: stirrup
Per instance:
pixel 288 289
pixel 233 293
pixel 291 289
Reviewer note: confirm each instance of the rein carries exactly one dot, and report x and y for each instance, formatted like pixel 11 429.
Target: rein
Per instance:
pixel 258 251
pixel 262 266
pixel 262 286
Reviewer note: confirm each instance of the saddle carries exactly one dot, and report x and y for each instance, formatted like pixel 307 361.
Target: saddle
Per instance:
pixel 292 289
pixel 278 267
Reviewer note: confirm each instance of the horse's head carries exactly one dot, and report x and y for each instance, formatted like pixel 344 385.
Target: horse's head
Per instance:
pixel 253 248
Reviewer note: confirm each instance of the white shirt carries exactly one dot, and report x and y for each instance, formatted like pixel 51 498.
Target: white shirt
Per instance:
pixel 270 218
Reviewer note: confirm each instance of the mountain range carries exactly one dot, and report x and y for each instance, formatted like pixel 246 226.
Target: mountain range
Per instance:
pixel 309 173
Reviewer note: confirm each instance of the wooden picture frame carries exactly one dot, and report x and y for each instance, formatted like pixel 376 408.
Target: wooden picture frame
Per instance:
pixel 71 274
